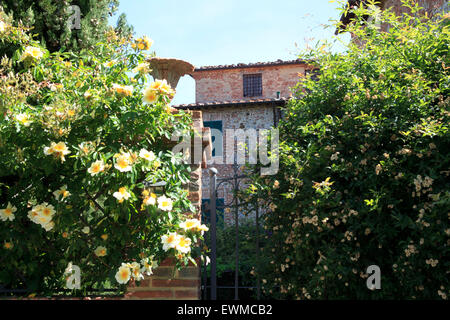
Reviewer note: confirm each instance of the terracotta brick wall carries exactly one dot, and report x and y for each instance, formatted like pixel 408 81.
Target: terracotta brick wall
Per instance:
pixel 167 283
pixel 227 84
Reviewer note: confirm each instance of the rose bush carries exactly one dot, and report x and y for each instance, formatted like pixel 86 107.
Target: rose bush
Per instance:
pixel 80 133
pixel 364 168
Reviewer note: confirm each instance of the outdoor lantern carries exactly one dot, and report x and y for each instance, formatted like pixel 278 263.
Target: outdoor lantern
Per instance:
pixel 158 187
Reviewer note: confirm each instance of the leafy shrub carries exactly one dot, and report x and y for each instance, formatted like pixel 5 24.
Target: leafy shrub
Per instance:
pixel 364 168
pixel 79 136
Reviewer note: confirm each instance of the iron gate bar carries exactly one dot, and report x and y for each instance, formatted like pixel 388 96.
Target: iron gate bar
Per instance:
pixel 258 285
pixel 212 197
pixel 234 181
pixel 236 272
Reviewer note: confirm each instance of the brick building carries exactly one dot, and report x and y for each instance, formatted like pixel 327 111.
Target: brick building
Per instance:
pixel 242 96
pixel 430 7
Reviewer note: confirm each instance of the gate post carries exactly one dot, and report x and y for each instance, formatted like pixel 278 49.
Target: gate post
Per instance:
pixel 212 197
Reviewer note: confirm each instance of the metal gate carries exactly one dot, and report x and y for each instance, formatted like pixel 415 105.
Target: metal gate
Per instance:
pixel 235 182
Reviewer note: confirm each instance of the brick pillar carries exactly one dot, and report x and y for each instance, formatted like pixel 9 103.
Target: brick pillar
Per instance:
pixel 167 282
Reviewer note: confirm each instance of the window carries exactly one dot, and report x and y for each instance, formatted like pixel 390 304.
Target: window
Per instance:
pixel 216 136
pixel 252 85
pixel 206 214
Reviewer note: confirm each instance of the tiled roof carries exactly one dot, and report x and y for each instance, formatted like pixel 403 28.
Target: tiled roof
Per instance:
pixel 232 103
pixel 251 65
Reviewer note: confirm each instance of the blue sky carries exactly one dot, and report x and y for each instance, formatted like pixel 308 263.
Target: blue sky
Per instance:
pixel 215 32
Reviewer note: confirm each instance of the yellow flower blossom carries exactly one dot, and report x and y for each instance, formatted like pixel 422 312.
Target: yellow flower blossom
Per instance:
pixel 8 245
pixel 148 265
pixel 136 271
pixel 276 184
pixel 202 228
pixel 184 244
pixel 170 240
pixel 166 88
pixel 432 262
pixel 143 43
pixel 100 251
pixel 123 162
pixel 122 194
pixel 47 210
pixel 24 119
pixel 32 52
pixel 190 224
pixel 165 203
pixel 34 213
pixel 161 86
pixel 61 193
pixel 96 167
pixel 334 156
pixel 8 212
pixel 123 90
pixel 147 155
pixel 150 200
pixel 124 274
pixel 150 95
pixel 59 150
pixel 48 226
pixel 156 88
pixel 42 214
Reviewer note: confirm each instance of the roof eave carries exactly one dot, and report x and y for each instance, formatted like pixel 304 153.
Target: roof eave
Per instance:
pixel 225 104
pixel 252 65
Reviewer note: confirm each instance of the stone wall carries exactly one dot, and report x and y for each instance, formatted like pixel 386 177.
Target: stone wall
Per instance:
pixel 259 117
